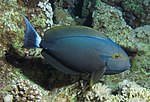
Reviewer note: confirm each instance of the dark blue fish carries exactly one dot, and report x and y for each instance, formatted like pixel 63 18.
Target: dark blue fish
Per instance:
pixel 78 49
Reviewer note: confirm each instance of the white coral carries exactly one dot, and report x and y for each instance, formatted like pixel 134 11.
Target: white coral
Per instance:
pixel 24 91
pixel 46 7
pixel 131 90
pixel 99 91
pixel 137 99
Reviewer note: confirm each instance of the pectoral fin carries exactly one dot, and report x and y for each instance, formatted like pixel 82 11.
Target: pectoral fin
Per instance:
pixel 52 61
pixel 96 75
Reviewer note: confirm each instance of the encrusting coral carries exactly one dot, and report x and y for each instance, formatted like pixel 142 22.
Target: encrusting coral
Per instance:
pixel 109 21
pixel 140 36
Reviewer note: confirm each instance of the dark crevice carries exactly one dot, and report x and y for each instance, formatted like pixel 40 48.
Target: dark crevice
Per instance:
pixel 78 8
pixel 88 20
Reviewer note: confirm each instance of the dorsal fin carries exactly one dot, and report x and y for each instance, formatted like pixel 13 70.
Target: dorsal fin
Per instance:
pixel 66 31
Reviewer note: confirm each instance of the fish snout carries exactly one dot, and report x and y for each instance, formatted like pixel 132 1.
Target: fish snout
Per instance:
pixel 115 66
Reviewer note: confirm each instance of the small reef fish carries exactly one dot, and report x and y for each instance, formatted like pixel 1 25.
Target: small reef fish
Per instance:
pixel 78 49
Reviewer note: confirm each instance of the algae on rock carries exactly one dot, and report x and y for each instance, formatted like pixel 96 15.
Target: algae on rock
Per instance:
pixel 140 8
pixel 141 61
pixel 109 21
pixel 62 17
pixel 135 12
pixel 11 30
pixel 11 39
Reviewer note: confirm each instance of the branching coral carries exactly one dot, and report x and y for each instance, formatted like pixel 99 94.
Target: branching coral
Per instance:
pixel 99 92
pixel 126 92
pixel 23 91
pixel 131 91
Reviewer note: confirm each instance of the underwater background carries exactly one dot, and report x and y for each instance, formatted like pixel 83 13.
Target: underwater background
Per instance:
pixel 24 75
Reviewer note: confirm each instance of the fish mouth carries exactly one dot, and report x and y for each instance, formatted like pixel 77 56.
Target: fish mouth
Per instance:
pixel 110 71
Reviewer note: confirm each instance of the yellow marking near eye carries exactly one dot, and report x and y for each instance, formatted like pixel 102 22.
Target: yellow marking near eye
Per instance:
pixel 116 56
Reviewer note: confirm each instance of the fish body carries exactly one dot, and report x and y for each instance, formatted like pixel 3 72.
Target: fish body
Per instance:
pixel 78 49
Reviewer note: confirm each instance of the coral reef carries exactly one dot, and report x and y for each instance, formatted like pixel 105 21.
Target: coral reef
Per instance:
pixel 136 12
pixel 46 7
pixel 131 91
pixel 137 100
pixel 86 9
pixel 140 8
pixel 98 92
pixel 62 17
pixel 6 71
pixel 67 12
pixel 64 94
pixel 56 86
pixel 11 30
pixel 23 91
pixel 140 63
pixel 110 22
pixel 11 39
pixel 127 92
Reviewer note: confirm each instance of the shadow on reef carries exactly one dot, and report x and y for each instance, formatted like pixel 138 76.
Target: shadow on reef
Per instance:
pixel 38 71
pixel 130 53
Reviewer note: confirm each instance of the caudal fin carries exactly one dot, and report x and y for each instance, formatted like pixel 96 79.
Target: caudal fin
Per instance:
pixel 31 37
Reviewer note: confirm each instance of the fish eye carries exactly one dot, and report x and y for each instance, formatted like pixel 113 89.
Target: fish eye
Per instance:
pixel 116 56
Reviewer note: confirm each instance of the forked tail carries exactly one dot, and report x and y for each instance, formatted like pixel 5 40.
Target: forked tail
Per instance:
pixel 31 37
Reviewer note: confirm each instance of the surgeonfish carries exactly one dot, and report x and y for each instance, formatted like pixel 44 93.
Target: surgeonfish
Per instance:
pixel 78 49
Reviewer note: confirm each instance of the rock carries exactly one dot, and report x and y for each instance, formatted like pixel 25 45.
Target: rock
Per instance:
pixel 136 12
pixel 141 61
pixel 109 21
pixel 24 91
pixel 62 17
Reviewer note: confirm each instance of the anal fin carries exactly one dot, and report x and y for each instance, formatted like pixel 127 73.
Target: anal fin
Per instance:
pixel 52 61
